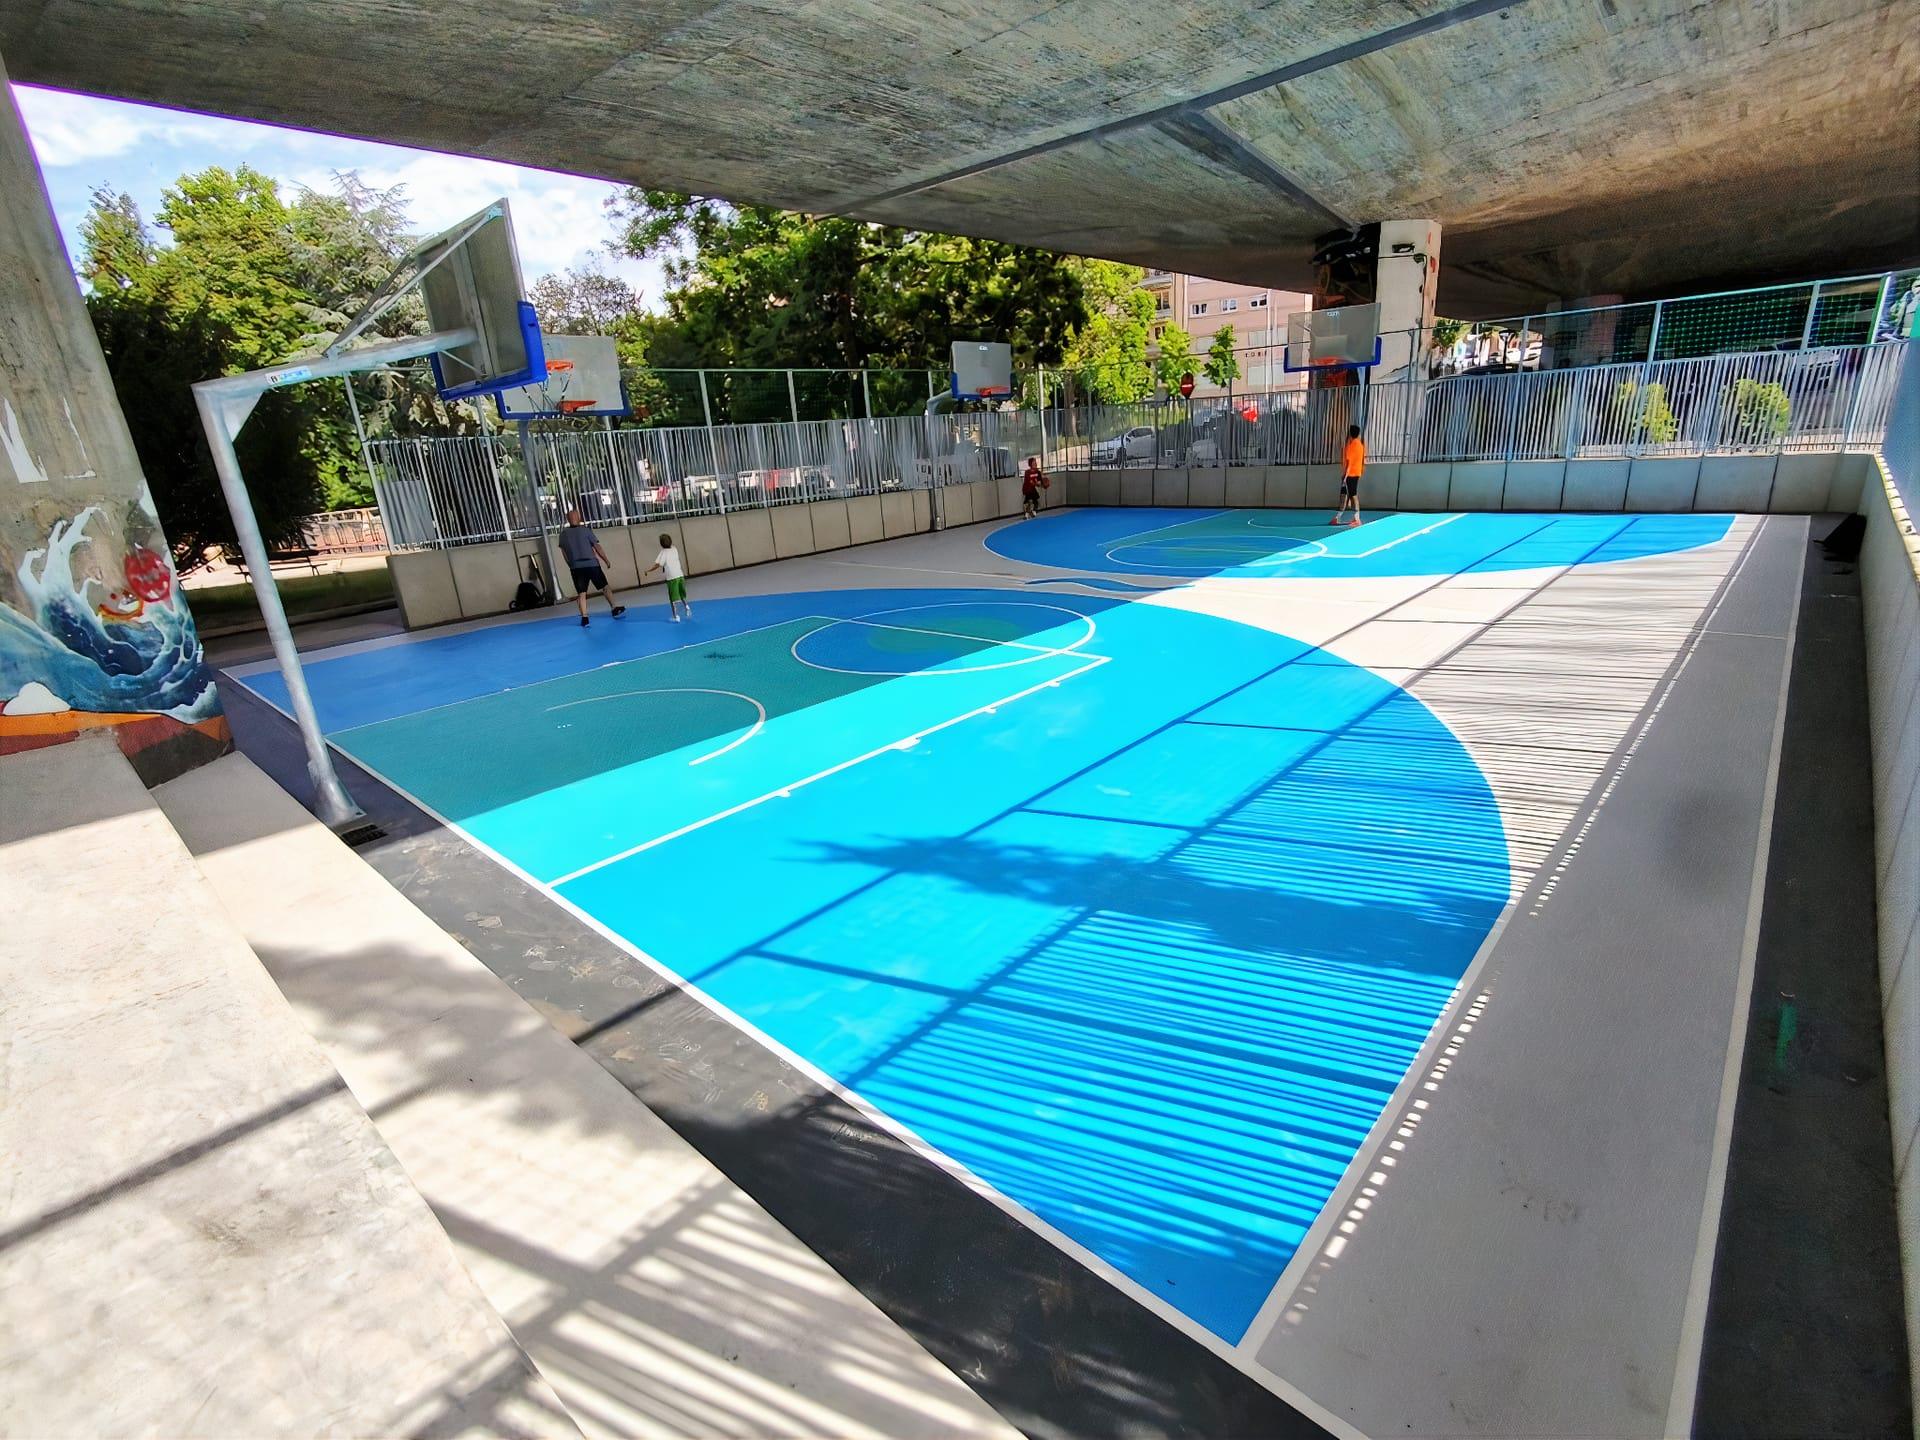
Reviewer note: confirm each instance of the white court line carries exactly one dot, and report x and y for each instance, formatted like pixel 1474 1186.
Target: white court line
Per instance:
pixel 926 1150
pixel 531 684
pixel 1086 620
pixel 1290 558
pixel 906 742
pixel 757 726
pixel 946 669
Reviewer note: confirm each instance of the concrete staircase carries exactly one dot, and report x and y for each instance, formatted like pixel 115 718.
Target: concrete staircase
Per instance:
pixel 301 1165
pixel 201 1233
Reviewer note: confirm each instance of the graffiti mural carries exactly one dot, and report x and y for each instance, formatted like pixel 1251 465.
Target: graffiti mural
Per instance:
pixel 94 633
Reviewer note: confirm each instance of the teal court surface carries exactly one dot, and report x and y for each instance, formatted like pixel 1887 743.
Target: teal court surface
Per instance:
pixel 1272 936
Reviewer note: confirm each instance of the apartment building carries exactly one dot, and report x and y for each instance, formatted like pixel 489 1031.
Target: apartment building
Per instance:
pixel 1258 316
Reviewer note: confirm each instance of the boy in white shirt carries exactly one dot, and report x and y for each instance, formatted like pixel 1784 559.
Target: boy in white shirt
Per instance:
pixel 667 562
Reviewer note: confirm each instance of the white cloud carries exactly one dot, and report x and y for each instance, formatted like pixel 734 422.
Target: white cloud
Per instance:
pixel 559 221
pixel 75 129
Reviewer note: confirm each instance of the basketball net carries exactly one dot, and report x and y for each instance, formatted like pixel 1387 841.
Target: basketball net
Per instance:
pixel 553 392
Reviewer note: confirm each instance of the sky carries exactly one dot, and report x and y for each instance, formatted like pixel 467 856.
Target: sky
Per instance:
pixel 82 142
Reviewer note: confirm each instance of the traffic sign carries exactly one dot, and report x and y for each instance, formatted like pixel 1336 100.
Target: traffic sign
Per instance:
pixel 1186 386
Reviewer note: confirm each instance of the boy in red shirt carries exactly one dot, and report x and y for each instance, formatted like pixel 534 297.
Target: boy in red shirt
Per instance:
pixel 1031 484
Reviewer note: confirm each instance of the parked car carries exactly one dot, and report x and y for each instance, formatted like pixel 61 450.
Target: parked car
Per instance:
pixel 1137 444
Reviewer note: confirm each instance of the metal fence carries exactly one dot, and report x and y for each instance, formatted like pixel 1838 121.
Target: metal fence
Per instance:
pixel 1825 399
pixel 344 532
pixel 468 489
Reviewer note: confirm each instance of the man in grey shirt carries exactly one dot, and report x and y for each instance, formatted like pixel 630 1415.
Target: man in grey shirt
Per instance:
pixel 588 562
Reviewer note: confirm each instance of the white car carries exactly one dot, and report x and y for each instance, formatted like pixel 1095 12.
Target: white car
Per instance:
pixel 1139 443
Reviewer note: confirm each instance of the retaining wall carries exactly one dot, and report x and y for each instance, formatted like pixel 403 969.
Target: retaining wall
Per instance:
pixel 1890 602
pixel 469 581
pixel 1789 484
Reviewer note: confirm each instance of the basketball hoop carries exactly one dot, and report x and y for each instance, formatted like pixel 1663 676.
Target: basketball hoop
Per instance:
pixel 582 378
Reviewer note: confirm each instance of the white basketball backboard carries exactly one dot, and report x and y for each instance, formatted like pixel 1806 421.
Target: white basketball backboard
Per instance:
pixel 583 378
pixel 1347 335
pixel 982 370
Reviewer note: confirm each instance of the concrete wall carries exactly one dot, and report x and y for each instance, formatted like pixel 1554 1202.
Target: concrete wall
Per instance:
pixel 1751 484
pixel 1890 600
pixel 434 587
pixel 96 635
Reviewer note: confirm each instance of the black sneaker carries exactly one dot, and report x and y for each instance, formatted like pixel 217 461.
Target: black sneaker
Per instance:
pixel 585 621
pixel 618 611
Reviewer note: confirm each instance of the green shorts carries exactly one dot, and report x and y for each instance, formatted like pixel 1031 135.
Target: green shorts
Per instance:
pixel 677 589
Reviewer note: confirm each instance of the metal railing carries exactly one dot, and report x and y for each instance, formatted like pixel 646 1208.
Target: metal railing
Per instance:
pixel 465 490
pixel 469 489
pixel 344 532
pixel 1827 399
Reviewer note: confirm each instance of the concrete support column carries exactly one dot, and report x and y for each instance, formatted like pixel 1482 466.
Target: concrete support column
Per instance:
pixel 1396 265
pixel 94 634
pixel 1406 285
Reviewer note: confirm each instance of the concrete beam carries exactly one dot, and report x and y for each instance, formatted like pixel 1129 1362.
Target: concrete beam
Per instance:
pixel 1567 147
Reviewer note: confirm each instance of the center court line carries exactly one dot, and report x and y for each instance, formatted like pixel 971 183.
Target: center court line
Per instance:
pixel 1289 559
pixel 906 742
pixel 757 726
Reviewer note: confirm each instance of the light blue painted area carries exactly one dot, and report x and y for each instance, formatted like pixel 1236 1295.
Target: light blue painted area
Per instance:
pixel 1283 544
pixel 1147 948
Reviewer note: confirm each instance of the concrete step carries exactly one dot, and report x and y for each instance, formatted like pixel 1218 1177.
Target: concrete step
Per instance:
pixel 201 1233
pixel 655 1296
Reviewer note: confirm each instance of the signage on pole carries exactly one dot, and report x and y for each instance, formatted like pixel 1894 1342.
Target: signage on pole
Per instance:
pixel 1186 386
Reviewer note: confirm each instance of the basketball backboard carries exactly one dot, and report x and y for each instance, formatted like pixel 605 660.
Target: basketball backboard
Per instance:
pixel 582 378
pixel 1346 337
pixel 470 279
pixel 982 370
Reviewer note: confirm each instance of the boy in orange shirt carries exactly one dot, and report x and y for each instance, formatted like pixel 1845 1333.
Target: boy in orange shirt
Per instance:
pixel 1354 461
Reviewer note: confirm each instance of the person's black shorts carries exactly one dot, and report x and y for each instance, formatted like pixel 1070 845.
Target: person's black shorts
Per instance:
pixel 1351 486
pixel 588 577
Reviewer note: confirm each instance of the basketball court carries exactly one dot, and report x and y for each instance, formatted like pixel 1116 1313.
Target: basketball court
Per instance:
pixel 1196 970
pixel 1267 942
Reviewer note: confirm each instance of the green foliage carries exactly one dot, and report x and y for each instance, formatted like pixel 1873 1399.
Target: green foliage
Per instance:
pixel 248 279
pixel 753 286
pixel 1176 356
pixel 1108 351
pixel 1223 366
pixel 1761 410
pixel 116 243
pixel 147 346
pixel 1446 332
pixel 1648 416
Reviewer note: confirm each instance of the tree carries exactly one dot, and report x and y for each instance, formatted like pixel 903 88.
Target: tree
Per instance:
pixel 587 301
pixel 1109 350
pixel 152 353
pixel 752 286
pixel 1223 366
pixel 1176 356
pixel 115 243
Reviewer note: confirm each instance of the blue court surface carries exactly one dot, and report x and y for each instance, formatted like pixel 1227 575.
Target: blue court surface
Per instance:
pixel 1136 915
pixel 1282 545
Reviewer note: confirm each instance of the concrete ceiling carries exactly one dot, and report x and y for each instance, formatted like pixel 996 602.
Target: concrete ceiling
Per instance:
pixel 1569 147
